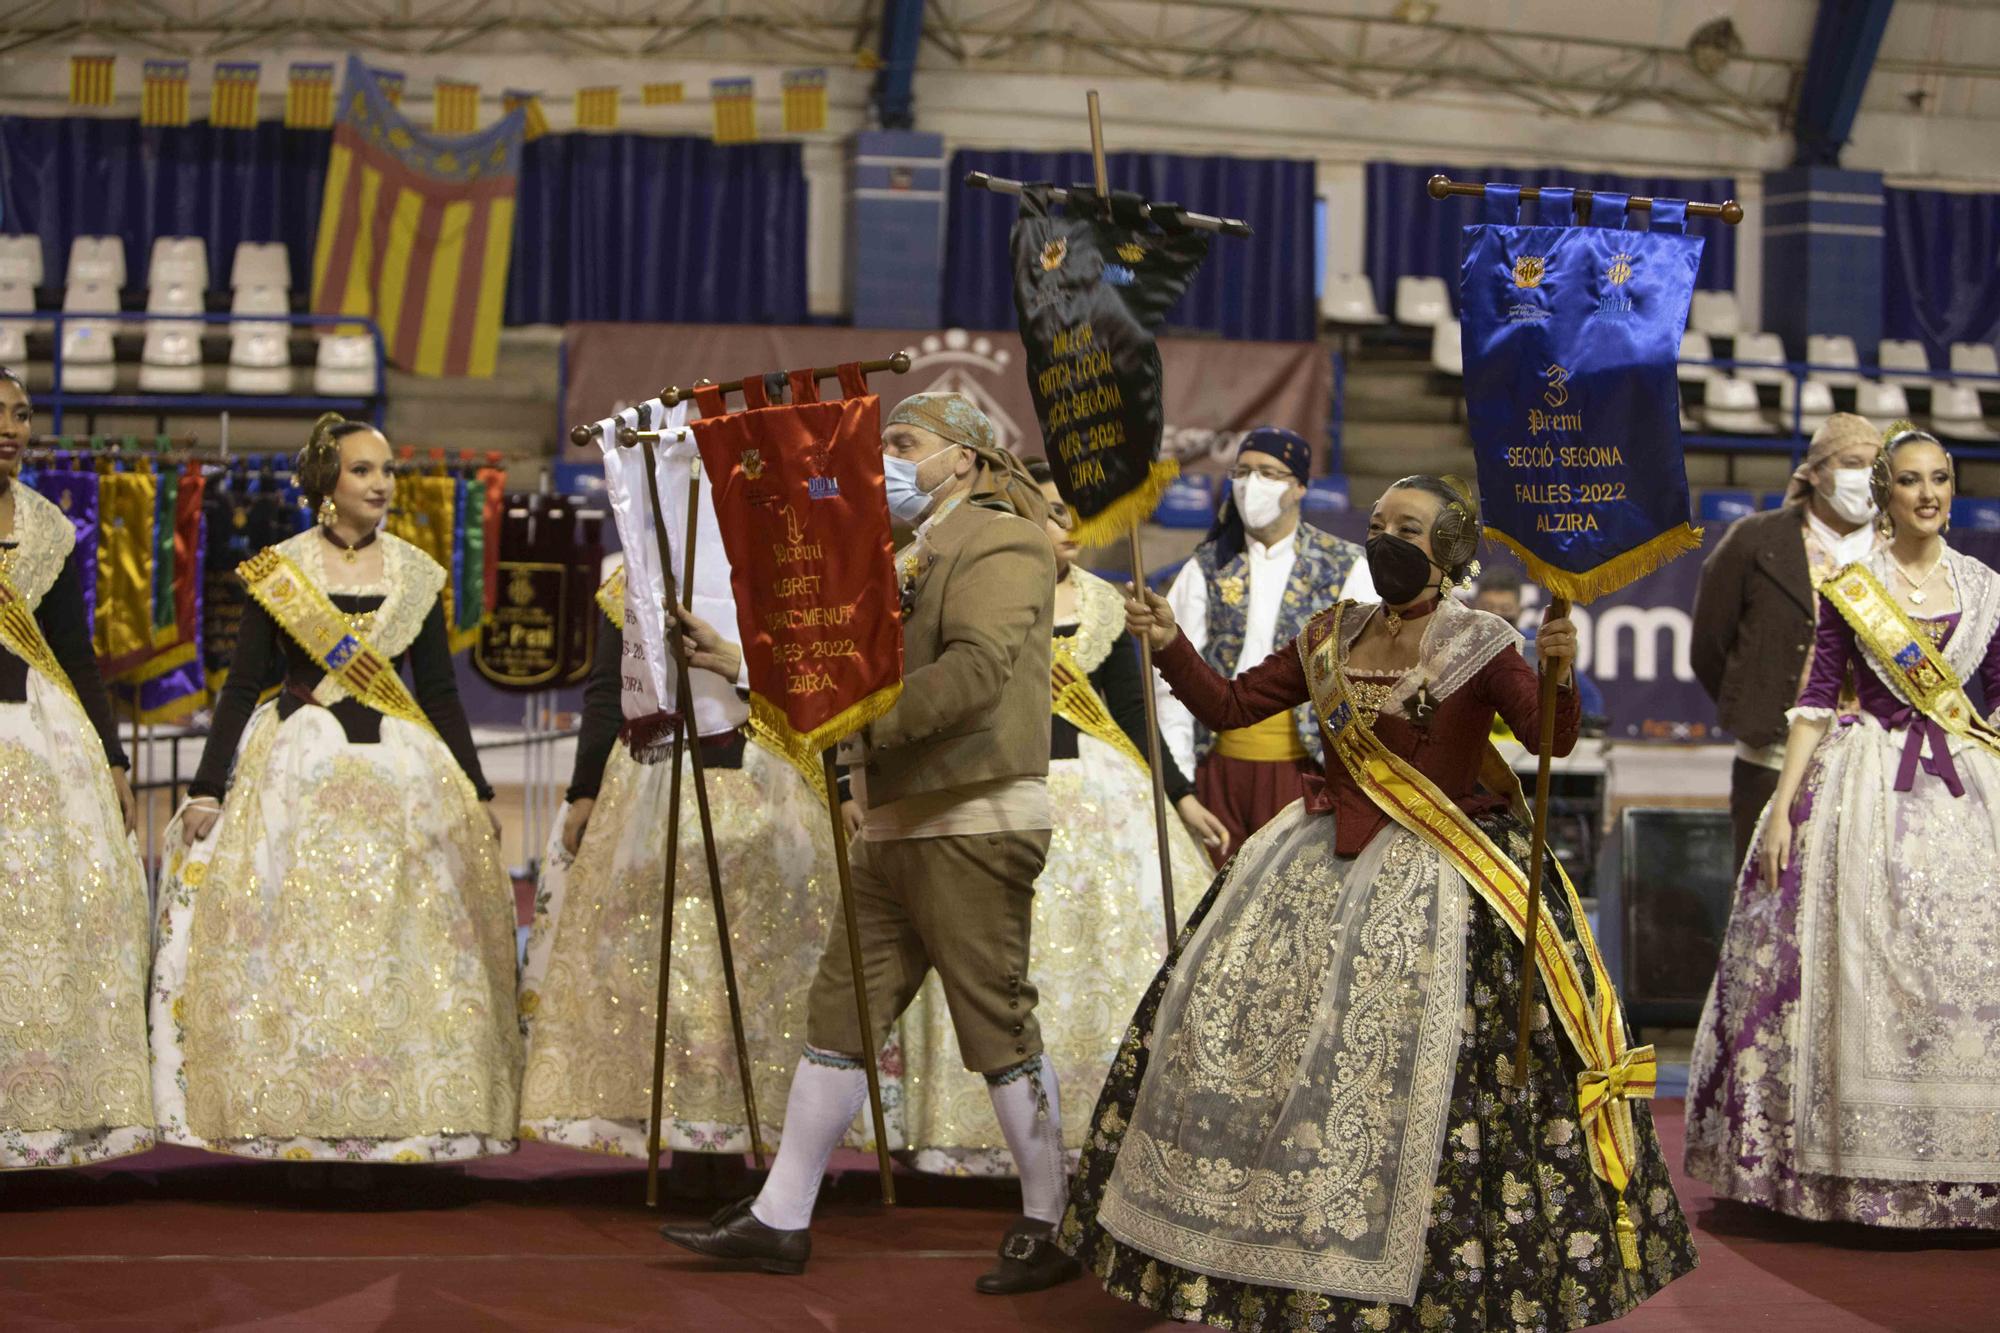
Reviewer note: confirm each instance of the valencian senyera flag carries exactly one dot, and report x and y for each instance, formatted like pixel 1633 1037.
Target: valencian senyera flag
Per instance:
pixel 805 520
pixel 1091 288
pixel 415 231
pixel 1571 335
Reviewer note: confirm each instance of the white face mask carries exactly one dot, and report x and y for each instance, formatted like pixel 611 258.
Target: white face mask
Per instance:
pixel 908 502
pixel 1260 500
pixel 1852 494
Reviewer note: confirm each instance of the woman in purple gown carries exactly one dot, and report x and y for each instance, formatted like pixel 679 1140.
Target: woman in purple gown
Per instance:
pixel 1847 1067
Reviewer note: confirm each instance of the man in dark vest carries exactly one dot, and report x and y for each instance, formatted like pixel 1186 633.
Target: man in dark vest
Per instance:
pixel 1249 589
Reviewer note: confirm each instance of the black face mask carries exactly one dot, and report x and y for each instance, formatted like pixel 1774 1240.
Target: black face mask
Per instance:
pixel 1400 569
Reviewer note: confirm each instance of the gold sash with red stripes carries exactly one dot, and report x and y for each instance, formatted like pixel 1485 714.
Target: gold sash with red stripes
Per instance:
pixel 1613 1072
pixel 1905 652
pixel 1076 701
pixel 322 629
pixel 21 635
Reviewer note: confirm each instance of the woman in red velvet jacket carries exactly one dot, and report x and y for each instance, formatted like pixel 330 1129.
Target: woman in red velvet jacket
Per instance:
pixel 1311 1122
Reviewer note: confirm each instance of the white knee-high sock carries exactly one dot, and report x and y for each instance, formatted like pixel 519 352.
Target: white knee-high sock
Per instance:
pixel 1025 1102
pixel 824 1101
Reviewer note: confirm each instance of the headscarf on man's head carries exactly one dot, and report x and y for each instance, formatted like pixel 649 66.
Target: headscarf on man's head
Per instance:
pixel 1000 480
pixel 1837 432
pixel 1289 448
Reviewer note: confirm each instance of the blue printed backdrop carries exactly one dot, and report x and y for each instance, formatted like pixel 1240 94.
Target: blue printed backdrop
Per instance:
pixel 1410 234
pixel 608 226
pixel 1275 196
pixel 1941 269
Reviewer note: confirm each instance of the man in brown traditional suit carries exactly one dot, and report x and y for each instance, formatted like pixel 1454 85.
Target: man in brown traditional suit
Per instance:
pixel 952 789
pixel 1758 600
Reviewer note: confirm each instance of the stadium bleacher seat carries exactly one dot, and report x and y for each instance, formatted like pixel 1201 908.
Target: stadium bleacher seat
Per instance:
pixel 1904 362
pixel 1816 404
pixel 1715 312
pixel 1350 299
pixel 1956 414
pixel 1447 348
pixel 1881 402
pixel 1725 506
pixel 88 353
pixel 260 349
pixel 1974 359
pixel 1771 500
pixel 1765 353
pixel 98 259
pixel 1696 352
pixel 176 284
pixel 346 366
pixel 1421 302
pixel 1833 350
pixel 1980 513
pixel 1731 407
pixel 20 274
pixel 1188 503
pixel 1325 497
pixel 261 264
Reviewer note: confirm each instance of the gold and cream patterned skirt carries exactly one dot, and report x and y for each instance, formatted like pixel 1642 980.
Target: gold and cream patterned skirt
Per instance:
pixel 73 1083
pixel 335 970
pixel 591 982
pixel 1099 936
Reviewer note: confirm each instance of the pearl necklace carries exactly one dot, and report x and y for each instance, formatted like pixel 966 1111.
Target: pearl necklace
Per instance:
pixel 1917 585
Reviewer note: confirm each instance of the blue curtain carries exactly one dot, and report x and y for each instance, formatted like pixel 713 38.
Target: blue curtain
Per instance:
pixel 1940 282
pixel 1275 197
pixel 78 176
pixel 607 227
pixel 1410 234
pixel 642 227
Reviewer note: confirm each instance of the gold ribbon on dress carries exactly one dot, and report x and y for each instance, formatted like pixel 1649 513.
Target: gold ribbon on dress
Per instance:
pixel 1614 1072
pixel 323 630
pixel 21 635
pixel 1893 640
pixel 1076 701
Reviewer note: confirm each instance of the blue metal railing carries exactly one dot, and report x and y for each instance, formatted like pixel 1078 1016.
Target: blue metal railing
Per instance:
pixel 59 400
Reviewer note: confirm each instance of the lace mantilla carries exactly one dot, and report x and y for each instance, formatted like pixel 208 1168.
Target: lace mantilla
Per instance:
pixel 1458 643
pixel 1979 614
pixel 1100 619
pixel 44 538
pixel 409 587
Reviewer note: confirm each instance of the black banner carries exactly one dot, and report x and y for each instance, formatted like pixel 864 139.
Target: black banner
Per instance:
pixel 543 630
pixel 1091 288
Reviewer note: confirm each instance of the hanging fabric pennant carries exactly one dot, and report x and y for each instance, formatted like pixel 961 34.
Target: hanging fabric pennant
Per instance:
pixel 799 496
pixel 649 677
pixel 1571 337
pixel 1090 293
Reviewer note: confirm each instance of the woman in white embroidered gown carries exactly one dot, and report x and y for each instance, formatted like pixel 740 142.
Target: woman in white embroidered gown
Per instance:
pixel 1847 1067
pixel 74 1086
pixel 1099 930
pixel 335 977
pixel 588 994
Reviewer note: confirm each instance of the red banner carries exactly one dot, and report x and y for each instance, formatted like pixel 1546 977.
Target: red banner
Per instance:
pixel 799 499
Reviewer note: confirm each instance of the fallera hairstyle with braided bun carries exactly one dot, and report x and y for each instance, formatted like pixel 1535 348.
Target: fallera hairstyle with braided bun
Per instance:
pixel 1882 475
pixel 317 467
pixel 1455 530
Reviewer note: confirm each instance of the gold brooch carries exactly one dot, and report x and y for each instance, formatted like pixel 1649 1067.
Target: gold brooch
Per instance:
pixel 1231 589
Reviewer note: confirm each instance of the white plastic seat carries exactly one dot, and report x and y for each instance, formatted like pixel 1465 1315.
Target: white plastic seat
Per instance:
pixel 260 299
pixel 88 355
pixel 346 365
pixel 1955 413
pixel 1833 350
pixel 174 298
pixel 1715 312
pixel 178 259
pixel 96 259
pixel 1881 402
pixel 1421 302
pixel 171 361
pixel 1731 405
pixel 20 274
pixel 1816 404
pixel 1448 348
pixel 260 358
pixel 1904 362
pixel 1761 350
pixel 1975 359
pixel 1696 352
pixel 261 264
pixel 1350 299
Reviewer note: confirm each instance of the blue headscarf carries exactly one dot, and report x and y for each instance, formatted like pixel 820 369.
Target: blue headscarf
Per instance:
pixel 1289 448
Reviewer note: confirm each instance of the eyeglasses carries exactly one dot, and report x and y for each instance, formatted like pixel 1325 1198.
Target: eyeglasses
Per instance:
pixel 1267 473
pixel 1060 512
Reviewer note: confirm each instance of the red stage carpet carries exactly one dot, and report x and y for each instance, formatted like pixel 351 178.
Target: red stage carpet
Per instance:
pixel 552 1239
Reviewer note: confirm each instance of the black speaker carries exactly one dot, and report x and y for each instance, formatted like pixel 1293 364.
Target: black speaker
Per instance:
pixel 1666 882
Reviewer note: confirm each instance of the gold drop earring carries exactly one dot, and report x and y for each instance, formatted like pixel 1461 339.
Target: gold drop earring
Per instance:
pixel 328 514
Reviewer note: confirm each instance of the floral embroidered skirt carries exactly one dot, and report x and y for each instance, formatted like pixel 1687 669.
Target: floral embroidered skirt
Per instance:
pixel 1520 1231
pixel 74 1086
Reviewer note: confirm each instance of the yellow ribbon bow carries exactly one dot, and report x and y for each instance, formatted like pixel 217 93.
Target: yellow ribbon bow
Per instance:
pixel 1601 1095
pixel 1636 1073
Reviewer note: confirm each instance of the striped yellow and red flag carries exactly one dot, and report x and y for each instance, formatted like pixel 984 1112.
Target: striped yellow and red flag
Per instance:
pixel 93 80
pixel 805 101
pixel 597 108
pixel 662 94
pixel 735 103
pixel 455 107
pixel 533 124
pixel 232 101
pixel 415 230
pixel 163 93
pixel 309 97
pixel 391 82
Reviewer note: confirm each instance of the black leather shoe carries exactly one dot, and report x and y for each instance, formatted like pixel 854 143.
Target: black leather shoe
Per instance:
pixel 735 1234
pixel 1029 1261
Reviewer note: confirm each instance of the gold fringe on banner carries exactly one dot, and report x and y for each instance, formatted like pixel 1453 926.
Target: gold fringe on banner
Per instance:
pixel 803 749
pixel 1129 510
pixel 1614 573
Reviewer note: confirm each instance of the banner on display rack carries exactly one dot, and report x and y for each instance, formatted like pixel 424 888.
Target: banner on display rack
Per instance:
pixel 1215 389
pixel 1571 338
pixel 800 502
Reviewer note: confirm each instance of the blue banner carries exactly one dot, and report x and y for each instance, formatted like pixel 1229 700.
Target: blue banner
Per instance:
pixel 1571 334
